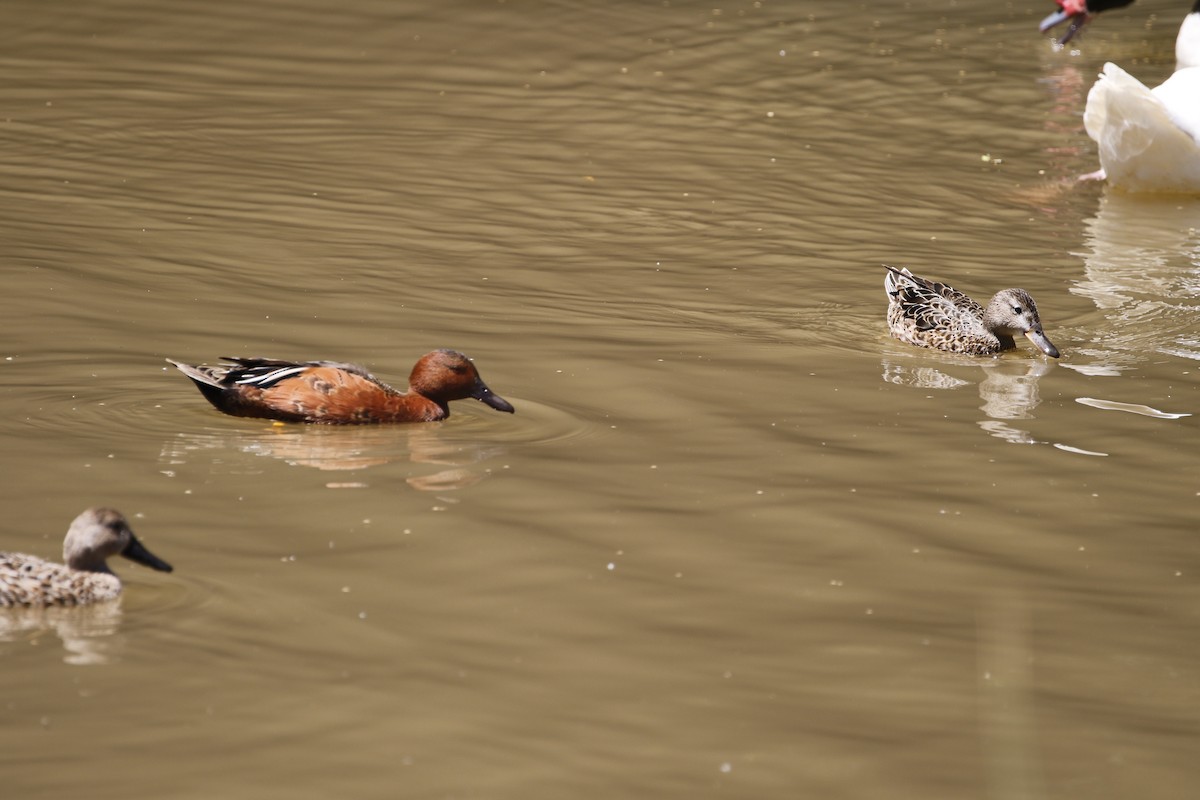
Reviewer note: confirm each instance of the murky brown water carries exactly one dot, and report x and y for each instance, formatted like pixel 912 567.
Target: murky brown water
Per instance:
pixel 735 541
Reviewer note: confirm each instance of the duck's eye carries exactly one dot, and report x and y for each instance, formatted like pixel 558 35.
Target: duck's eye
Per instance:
pixel 1016 309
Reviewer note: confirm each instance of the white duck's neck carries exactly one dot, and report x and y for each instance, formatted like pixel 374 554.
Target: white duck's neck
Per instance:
pixel 1187 44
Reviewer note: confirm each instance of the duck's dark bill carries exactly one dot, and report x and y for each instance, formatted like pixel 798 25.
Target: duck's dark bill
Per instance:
pixel 1042 343
pixel 136 551
pixel 489 398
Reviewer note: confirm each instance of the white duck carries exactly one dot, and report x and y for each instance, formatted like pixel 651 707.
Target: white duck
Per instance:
pixel 1149 139
pixel 1187 43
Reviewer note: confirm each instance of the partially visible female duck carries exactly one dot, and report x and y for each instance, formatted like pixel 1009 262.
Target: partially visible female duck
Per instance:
pixel 94 536
pixel 1149 139
pixel 935 315
pixel 1078 12
pixel 333 393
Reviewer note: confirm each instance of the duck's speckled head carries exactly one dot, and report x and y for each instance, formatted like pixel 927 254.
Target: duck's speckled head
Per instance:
pixel 99 533
pixel 1012 312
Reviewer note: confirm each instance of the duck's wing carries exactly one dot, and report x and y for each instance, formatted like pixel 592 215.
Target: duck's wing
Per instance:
pixel 267 372
pixel 309 391
pixel 929 304
pixel 1180 96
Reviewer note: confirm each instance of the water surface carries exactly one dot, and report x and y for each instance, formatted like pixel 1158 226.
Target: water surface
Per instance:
pixel 735 541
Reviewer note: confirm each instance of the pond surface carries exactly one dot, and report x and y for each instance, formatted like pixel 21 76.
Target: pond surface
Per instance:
pixel 735 541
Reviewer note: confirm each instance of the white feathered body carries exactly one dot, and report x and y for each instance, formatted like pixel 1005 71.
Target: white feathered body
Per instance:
pixel 1149 139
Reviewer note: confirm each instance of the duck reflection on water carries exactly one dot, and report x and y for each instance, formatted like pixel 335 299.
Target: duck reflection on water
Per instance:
pixel 462 461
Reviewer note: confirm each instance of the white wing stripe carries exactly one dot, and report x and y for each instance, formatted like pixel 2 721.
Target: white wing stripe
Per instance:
pixel 274 376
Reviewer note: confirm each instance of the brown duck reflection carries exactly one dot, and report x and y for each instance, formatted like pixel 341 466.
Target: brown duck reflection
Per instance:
pixel 350 449
pixel 1009 389
pixel 88 633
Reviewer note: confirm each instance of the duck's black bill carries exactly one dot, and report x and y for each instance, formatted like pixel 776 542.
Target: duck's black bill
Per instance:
pixel 136 551
pixel 489 398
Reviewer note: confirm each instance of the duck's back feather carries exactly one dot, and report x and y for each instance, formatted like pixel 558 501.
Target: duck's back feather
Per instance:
pixel 931 314
pixel 927 303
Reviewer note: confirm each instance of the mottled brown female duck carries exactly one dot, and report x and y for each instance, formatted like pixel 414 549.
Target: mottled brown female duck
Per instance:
pixel 94 536
pixel 935 315
pixel 346 394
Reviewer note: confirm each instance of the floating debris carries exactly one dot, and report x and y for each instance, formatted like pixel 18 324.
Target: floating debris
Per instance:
pixel 1131 408
pixel 1078 450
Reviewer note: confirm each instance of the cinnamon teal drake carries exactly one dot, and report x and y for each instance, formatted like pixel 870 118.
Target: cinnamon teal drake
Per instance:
pixel 930 314
pixel 94 536
pixel 340 394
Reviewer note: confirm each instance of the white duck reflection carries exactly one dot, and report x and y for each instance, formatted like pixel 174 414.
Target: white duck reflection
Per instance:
pixel 1142 270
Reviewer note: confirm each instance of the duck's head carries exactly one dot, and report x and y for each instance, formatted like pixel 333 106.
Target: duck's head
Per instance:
pixel 1078 12
pixel 99 533
pixel 446 375
pixel 1011 313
